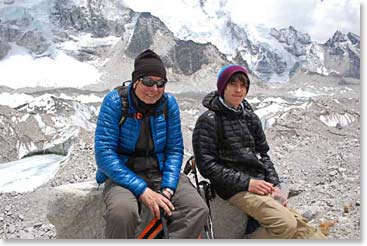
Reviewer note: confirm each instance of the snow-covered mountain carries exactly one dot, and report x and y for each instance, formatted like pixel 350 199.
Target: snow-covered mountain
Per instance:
pixel 272 55
pixel 95 42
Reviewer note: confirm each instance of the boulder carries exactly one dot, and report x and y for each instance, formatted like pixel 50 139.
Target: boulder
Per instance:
pixel 76 211
pixel 228 221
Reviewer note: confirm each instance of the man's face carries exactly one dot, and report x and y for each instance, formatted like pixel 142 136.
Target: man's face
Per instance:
pixel 234 93
pixel 148 94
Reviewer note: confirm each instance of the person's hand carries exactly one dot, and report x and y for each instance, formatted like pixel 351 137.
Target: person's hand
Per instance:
pixel 260 187
pixel 167 194
pixel 154 201
pixel 278 195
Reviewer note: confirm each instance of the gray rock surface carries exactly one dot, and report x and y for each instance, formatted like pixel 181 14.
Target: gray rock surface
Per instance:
pixel 4 49
pixel 76 211
pixel 34 41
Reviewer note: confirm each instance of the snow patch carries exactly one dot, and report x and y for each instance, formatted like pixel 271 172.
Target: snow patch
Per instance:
pixel 14 100
pixel 192 111
pixel 335 119
pixel 24 118
pixel 273 108
pixel 303 93
pixel 87 41
pixel 89 98
pixel 46 129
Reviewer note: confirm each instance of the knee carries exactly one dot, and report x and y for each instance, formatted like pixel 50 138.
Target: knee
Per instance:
pixel 198 209
pixel 288 227
pixel 200 205
pixel 202 210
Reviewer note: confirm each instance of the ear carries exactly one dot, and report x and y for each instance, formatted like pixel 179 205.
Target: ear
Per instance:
pixel 136 84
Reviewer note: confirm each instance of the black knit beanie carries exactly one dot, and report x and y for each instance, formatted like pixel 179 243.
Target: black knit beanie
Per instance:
pixel 148 63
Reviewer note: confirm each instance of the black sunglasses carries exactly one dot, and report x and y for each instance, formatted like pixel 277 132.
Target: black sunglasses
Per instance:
pixel 150 82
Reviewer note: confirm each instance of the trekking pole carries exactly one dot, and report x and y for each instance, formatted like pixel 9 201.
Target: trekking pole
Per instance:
pixel 191 167
pixel 188 166
pixel 195 175
pixel 164 224
pixel 208 227
pixel 209 195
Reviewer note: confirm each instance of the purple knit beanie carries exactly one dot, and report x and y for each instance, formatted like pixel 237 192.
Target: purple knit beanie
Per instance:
pixel 226 73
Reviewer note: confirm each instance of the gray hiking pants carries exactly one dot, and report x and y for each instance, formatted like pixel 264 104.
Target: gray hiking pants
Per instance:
pixel 122 212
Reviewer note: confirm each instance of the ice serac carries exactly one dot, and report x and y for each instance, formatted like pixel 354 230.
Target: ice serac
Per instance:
pixel 43 124
pixel 18 27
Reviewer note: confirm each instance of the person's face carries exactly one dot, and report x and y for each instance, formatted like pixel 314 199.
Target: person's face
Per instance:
pixel 234 93
pixel 148 94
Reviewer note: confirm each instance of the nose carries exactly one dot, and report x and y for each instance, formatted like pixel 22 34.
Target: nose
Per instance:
pixel 154 87
pixel 238 88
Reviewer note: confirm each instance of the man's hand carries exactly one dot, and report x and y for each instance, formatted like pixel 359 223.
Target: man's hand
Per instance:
pixel 167 193
pixel 280 196
pixel 154 201
pixel 260 187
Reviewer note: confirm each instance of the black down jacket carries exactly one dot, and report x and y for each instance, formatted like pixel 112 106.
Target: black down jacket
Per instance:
pixel 241 154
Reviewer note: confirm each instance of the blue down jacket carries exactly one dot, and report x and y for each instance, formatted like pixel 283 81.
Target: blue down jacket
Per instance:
pixel 167 139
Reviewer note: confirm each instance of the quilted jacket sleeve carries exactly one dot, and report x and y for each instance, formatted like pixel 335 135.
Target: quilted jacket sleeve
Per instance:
pixel 204 141
pixel 106 143
pixel 174 147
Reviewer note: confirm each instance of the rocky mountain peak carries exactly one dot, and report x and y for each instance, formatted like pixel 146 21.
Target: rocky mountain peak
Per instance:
pixel 183 56
pixel 290 36
pixel 342 53
pixel 146 30
pixel 338 37
pixel 355 39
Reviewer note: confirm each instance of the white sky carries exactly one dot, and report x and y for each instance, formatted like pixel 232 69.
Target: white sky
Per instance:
pixel 319 18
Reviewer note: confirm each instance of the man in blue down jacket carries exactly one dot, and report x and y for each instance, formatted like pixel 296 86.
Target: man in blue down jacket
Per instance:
pixel 139 156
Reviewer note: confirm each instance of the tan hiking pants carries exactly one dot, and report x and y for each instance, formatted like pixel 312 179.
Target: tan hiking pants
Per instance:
pixel 277 221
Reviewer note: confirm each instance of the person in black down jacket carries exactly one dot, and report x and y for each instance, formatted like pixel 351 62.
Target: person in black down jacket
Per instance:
pixel 230 149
